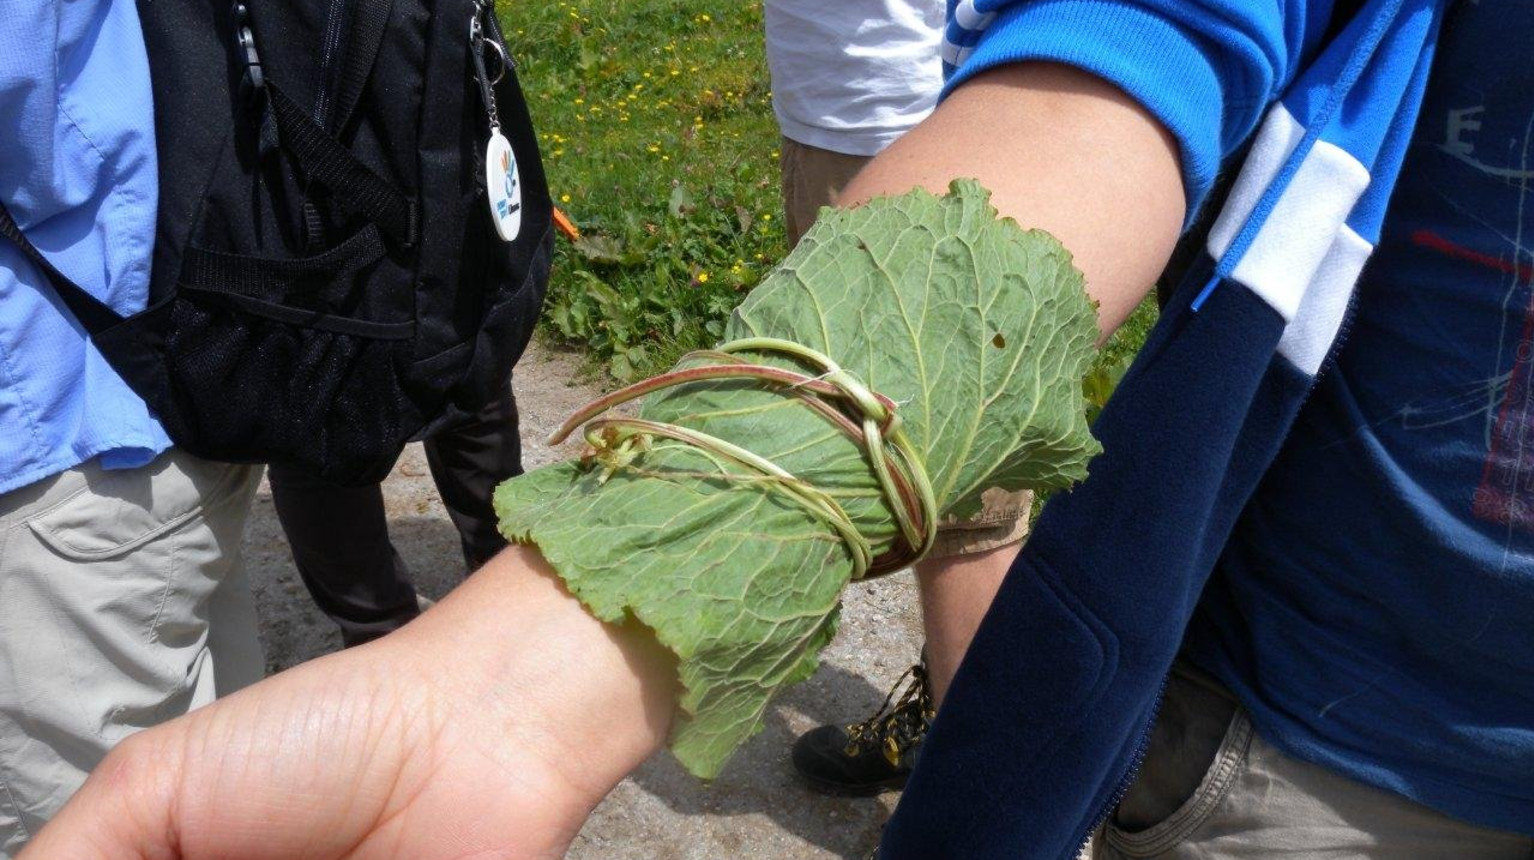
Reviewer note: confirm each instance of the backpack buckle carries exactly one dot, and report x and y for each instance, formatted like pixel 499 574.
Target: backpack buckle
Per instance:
pixel 252 82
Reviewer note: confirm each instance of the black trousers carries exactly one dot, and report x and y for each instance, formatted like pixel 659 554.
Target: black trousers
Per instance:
pixel 340 537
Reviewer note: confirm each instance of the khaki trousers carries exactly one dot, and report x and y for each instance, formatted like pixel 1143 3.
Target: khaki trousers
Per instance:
pixel 1212 789
pixel 812 178
pixel 122 605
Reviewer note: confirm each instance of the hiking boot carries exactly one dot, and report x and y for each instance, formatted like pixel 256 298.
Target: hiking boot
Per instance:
pixel 874 755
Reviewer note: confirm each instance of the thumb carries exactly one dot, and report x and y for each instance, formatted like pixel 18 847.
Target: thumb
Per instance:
pixel 123 812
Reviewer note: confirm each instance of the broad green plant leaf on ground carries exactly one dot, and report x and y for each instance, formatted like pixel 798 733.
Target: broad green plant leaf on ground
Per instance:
pixel 978 330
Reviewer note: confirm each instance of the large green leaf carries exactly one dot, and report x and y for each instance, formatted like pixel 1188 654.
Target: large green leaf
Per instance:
pixel 980 331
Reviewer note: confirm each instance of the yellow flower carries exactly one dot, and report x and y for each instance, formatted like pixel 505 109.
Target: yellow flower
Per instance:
pixel 766 216
pixel 653 148
pixel 564 198
pixel 760 255
pixel 703 277
pixel 704 18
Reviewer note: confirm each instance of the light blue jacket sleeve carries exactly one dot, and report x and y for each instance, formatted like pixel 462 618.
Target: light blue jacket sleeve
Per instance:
pixel 1206 68
pixel 78 172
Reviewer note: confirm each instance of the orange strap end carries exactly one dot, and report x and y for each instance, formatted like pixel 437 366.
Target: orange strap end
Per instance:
pixel 565 225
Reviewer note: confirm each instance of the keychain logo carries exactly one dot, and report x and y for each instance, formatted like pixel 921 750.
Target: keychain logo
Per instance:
pixel 505 191
pixel 505 207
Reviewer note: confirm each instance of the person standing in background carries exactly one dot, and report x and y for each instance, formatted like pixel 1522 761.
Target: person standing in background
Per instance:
pixel 848 79
pixel 340 535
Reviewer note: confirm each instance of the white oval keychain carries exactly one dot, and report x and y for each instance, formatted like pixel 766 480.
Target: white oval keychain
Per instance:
pixel 503 185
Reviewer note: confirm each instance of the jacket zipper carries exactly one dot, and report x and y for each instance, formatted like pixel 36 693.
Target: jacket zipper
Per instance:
pixel 1349 316
pixel 1142 743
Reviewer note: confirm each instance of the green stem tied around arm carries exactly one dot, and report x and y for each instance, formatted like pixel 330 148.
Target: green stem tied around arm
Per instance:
pixel 864 415
pixel 729 515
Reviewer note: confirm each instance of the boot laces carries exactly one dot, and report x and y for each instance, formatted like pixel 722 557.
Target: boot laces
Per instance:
pixel 894 730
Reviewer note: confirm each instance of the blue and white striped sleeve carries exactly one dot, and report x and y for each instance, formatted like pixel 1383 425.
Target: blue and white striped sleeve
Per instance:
pixel 1205 68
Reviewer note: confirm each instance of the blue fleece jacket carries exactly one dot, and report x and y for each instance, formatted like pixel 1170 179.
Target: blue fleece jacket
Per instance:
pixel 1048 713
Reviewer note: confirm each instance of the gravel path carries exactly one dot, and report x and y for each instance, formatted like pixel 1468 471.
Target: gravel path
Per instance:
pixel 757 808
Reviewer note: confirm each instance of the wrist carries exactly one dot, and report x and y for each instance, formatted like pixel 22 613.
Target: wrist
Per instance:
pixel 580 722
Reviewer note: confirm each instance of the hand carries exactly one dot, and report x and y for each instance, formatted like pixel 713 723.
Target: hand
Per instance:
pixel 488 728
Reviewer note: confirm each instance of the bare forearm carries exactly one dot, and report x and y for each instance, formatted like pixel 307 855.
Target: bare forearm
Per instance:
pixel 1060 150
pixel 489 727
pixel 593 700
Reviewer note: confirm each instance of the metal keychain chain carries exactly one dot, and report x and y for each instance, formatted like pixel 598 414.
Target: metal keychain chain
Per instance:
pixel 502 185
pixel 477 43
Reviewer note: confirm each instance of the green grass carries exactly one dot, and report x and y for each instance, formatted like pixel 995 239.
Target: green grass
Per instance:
pixel 655 121
pixel 656 126
pixel 1116 356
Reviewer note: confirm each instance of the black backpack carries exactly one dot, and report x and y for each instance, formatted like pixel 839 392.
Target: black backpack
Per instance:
pixel 328 281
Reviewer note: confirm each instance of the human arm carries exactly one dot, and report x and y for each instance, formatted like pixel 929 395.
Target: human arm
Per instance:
pixel 489 727
pixel 1086 163
pixel 316 695
pixel 501 715
pixel 1061 150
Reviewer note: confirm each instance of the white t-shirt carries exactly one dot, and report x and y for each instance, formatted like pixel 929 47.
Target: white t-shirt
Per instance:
pixel 853 75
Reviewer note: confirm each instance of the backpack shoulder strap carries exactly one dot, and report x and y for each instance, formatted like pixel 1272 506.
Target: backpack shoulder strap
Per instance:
pixel 94 315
